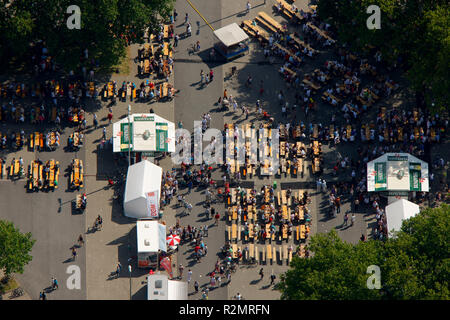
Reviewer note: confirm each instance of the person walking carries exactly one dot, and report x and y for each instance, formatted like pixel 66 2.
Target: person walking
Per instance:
pixel 272 278
pixel 80 241
pixel 176 38
pixel 196 285
pixel 211 75
pixel 261 273
pixel 189 276
pixel 95 121
pixel 249 6
pixel 202 76
pixel 104 133
pixel 338 204
pixel 74 253
pixel 42 296
pixel 118 269
pixel 353 218
pixel 180 270
pixel 345 219
pixel 54 283
pixel 110 116
pixel 217 217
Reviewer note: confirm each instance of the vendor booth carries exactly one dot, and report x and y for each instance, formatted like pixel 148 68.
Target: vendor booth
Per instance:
pixel 159 287
pixel 151 240
pixel 233 41
pixel 397 175
pixel 398 211
pixel 147 135
pixel 143 190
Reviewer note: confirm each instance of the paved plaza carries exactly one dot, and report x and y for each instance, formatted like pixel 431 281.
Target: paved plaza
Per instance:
pixel 49 216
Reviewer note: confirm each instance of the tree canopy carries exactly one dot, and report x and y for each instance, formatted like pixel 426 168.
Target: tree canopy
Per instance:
pixel 416 31
pixel 106 27
pixel 15 248
pixel 415 264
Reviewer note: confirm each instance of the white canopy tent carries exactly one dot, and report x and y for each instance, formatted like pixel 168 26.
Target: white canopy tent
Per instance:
pixel 398 211
pixel 142 190
pixel 230 35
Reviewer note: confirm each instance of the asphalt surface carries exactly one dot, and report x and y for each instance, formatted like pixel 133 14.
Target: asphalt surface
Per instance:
pixel 55 228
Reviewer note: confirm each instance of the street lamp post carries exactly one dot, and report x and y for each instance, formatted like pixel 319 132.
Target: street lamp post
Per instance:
pixel 129 270
pixel 129 137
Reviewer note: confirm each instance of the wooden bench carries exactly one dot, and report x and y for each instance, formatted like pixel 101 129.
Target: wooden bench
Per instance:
pixel 285 252
pixel 229 233
pixel 269 252
pixel 266 24
pixel 302 232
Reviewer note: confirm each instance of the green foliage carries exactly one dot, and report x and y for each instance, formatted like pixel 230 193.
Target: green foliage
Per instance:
pixel 414 264
pixel 15 248
pixel 417 30
pixel 106 25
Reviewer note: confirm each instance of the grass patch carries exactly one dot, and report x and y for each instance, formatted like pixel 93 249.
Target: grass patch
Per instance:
pixel 10 285
pixel 124 65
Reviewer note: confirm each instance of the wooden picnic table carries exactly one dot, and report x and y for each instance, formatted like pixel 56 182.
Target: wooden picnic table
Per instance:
pixel 312 85
pixel 283 197
pixel 289 52
pixel 302 43
pixel 270 20
pixel 319 31
pixel 349 131
pixel 234 212
pixel 302 231
pixel 316 147
pixel 233 231
pixel 327 94
pixel 257 30
pixel 284 230
pixel 316 165
pixel 235 249
pixel 284 212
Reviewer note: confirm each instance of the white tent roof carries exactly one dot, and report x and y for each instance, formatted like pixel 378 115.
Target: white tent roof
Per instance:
pixel 230 34
pixel 151 236
pixel 142 178
pixel 398 211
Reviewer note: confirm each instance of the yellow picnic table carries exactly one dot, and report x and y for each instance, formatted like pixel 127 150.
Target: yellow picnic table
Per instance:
pixel 302 231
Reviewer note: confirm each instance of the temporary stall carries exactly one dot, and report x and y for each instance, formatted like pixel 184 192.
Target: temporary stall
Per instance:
pixel 397 174
pixel 144 133
pixel 398 211
pixel 159 287
pixel 233 41
pixel 142 190
pixel 151 239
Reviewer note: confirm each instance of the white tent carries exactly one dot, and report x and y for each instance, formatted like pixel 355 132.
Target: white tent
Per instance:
pixel 142 190
pixel 398 211
pixel 230 35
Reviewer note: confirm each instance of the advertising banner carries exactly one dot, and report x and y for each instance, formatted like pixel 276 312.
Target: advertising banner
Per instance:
pixel 152 204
